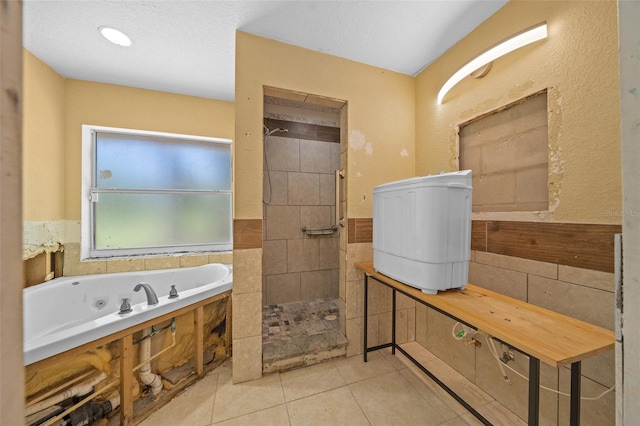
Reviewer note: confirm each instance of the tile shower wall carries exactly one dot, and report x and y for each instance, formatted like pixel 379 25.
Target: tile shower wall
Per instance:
pixel 301 193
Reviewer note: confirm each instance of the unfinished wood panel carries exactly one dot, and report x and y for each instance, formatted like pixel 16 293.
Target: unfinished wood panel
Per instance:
pixel 360 230
pixel 580 245
pixel 198 339
pixel 247 234
pixel 227 327
pixel 126 379
pixel 507 152
pixel 57 262
pixel 43 267
pixel 35 269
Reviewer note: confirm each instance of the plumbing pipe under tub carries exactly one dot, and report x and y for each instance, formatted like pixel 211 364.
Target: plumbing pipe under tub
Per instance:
pixel 146 376
pixel 81 389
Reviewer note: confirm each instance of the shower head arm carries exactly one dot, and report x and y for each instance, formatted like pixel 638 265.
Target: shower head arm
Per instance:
pixel 268 132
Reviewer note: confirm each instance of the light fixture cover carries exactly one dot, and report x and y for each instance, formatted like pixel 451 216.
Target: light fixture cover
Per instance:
pixel 514 42
pixel 115 36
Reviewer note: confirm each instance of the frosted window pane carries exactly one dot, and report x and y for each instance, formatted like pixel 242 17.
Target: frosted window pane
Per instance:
pixel 151 162
pixel 153 220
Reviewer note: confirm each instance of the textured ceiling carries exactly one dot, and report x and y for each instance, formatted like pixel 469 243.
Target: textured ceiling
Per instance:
pixel 188 46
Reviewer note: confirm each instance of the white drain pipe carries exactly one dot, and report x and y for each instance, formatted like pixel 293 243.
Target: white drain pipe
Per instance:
pixel 146 376
pixel 80 389
pixel 115 401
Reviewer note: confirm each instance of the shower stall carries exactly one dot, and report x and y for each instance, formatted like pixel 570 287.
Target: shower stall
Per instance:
pixel 301 232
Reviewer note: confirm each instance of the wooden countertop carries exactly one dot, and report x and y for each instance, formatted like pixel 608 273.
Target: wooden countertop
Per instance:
pixel 553 338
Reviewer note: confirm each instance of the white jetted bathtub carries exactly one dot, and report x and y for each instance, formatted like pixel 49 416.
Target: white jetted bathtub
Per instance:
pixel 67 312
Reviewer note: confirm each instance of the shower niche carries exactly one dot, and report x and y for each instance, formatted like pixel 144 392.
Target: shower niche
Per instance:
pixel 301 229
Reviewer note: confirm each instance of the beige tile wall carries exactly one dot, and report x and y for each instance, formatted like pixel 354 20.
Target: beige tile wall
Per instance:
pixel 298 266
pixel 580 293
pixel 247 315
pixel 73 265
pixel 507 152
pixel 379 307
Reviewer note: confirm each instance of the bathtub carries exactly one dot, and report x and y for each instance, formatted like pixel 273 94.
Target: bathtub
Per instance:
pixel 67 312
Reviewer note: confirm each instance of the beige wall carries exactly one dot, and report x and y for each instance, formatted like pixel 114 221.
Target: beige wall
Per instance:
pixel 379 128
pixel 126 107
pixel 43 141
pixel 395 130
pixel 381 117
pixel 55 108
pixel 578 65
pixel 11 114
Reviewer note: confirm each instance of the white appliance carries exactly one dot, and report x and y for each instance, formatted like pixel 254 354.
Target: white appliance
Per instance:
pixel 422 230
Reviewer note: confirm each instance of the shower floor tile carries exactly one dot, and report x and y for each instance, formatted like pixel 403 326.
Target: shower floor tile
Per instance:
pixel 290 330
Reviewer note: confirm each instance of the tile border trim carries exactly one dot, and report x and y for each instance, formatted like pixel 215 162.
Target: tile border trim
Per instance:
pixel 581 245
pixel 247 234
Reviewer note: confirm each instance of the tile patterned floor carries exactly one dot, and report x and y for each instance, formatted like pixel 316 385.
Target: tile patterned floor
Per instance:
pixel 297 328
pixel 387 390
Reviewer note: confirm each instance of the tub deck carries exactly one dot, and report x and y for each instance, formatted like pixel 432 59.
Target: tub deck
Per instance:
pixel 125 345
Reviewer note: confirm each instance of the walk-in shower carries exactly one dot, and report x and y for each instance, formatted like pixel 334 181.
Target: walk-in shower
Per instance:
pixel 301 267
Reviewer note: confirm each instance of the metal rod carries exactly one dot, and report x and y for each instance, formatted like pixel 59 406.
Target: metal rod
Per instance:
pixel 337 191
pixel 377 348
pixel 159 191
pixel 395 346
pixel 393 321
pixel 446 388
pixel 320 231
pixel 576 378
pixel 534 391
pixel 364 332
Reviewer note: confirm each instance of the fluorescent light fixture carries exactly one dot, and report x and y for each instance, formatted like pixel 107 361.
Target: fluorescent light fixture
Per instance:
pixel 115 36
pixel 517 41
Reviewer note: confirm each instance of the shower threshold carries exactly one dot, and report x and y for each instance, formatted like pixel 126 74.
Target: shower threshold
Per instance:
pixel 302 333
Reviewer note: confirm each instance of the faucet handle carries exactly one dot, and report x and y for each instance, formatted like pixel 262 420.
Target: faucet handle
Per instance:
pixel 125 308
pixel 173 293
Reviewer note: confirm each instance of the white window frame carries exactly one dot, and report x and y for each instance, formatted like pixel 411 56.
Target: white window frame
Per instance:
pixel 87 251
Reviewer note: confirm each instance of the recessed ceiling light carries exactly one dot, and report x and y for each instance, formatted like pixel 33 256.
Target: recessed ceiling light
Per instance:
pixel 115 36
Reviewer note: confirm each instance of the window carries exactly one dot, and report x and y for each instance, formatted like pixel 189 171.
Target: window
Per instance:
pixel 507 150
pixel 154 193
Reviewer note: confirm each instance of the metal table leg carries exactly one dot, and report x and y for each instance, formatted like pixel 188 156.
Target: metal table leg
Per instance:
pixel 534 391
pixel 364 332
pixel 393 322
pixel 576 378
